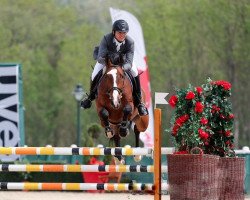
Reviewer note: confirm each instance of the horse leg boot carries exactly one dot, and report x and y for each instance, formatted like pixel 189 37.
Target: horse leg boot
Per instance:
pixel 123 129
pixel 104 115
pixel 86 103
pixel 119 159
pixel 137 158
pixel 138 97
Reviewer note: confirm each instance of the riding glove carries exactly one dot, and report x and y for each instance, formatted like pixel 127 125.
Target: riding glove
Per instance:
pixel 114 58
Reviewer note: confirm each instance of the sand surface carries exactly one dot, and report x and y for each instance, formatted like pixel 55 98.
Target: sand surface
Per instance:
pixel 55 195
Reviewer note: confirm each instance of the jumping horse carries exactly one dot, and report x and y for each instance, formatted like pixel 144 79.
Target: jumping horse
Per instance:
pixel 115 107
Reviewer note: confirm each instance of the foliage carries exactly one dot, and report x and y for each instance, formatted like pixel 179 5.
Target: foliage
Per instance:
pixel 220 116
pixel 94 130
pixel 203 118
pixel 189 122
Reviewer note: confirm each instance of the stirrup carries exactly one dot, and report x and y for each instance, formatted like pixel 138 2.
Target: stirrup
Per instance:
pixel 142 109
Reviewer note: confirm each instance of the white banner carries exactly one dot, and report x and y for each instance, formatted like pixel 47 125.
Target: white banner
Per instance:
pixel 140 60
pixel 9 106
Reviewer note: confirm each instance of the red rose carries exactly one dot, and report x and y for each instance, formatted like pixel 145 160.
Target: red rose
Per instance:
pixel 175 130
pixel 231 116
pixel 199 107
pixel 199 90
pixel 173 100
pixel 203 134
pixel 215 109
pixel 226 85
pixel 227 133
pixel 190 95
pixel 203 121
pixel 182 119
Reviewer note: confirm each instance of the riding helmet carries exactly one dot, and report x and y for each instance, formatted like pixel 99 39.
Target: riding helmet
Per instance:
pixel 121 26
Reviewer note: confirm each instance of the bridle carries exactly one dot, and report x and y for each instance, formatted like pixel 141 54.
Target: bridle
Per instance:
pixel 118 89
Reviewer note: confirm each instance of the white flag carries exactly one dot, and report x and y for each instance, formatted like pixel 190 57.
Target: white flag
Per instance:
pixel 160 98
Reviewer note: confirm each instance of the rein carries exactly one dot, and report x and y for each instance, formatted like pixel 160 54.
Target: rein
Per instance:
pixel 115 88
pixel 119 90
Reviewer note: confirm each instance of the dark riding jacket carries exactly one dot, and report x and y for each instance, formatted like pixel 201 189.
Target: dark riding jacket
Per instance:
pixel 109 46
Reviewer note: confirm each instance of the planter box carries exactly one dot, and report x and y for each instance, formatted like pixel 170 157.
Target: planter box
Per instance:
pixel 231 178
pixel 193 177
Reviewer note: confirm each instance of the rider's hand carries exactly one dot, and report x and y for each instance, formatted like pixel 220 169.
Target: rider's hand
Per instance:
pixel 114 58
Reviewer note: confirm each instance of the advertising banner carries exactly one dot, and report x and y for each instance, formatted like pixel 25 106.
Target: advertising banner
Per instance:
pixel 9 109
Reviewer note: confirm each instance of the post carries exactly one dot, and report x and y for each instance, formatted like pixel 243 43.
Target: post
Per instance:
pixel 78 124
pixel 157 153
pixel 78 93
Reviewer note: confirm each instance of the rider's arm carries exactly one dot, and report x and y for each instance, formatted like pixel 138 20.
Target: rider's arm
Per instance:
pixel 103 51
pixel 129 55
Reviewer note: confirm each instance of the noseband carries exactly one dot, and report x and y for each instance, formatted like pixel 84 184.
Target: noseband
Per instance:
pixel 120 91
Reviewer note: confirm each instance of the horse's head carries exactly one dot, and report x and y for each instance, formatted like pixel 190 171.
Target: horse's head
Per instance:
pixel 115 80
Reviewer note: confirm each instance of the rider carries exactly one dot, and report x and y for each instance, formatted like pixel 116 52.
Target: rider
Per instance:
pixel 119 47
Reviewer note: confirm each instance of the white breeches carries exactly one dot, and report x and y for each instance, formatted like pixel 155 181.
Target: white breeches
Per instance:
pixel 99 66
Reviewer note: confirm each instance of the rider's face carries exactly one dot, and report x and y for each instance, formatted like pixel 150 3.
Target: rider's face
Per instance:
pixel 120 36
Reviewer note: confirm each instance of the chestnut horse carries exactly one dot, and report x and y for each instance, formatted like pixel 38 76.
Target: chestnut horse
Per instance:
pixel 115 107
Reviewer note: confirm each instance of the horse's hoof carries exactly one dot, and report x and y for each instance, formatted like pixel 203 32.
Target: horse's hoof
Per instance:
pixel 120 161
pixel 109 132
pixel 137 158
pixel 123 131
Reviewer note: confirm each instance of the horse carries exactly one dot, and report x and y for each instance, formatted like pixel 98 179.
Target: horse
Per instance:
pixel 115 107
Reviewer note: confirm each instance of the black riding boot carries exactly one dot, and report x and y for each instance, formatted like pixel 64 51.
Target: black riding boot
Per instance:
pixel 86 103
pixel 137 97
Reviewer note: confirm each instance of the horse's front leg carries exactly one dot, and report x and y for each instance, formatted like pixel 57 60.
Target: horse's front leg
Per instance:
pixel 123 129
pixel 119 159
pixel 137 158
pixel 104 116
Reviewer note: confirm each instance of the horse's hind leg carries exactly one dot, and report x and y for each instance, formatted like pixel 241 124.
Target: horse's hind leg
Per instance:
pixel 137 158
pixel 123 129
pixel 137 136
pixel 104 115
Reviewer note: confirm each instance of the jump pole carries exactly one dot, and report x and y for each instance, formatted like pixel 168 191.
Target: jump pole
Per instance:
pixel 157 153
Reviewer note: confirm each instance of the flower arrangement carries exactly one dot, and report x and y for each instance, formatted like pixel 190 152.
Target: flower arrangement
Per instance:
pixel 203 118
pixel 220 116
